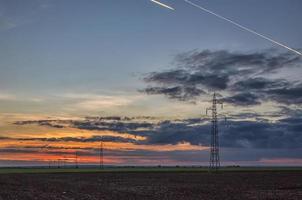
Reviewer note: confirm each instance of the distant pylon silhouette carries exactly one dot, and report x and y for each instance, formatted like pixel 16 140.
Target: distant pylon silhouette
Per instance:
pixel 214 151
pixel 101 155
pixel 76 160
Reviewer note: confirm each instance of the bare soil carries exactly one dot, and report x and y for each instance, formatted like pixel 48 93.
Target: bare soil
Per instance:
pixel 152 185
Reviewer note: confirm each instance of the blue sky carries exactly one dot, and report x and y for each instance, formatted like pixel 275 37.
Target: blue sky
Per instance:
pixel 75 45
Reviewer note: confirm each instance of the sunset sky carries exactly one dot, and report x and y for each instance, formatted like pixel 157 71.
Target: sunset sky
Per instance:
pixel 139 77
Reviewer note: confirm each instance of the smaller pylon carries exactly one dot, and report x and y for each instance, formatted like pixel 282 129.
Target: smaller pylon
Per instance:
pixel 101 155
pixel 76 160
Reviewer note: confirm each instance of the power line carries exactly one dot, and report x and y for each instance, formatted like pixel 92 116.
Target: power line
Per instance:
pixel 243 27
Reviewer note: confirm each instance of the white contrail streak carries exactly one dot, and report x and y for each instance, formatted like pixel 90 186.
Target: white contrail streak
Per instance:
pixel 163 5
pixel 243 27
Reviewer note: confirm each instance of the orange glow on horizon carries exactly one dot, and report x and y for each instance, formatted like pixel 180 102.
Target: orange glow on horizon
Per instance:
pixel 33 143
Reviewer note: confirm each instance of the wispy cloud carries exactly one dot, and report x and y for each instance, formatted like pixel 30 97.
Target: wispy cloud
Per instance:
pixel 4 96
pixel 91 102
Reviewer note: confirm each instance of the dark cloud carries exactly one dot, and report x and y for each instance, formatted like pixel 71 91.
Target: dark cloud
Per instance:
pixel 287 95
pixel 226 62
pixel 240 134
pixel 54 150
pixel 119 118
pixel 188 78
pixel 261 89
pixel 243 99
pixel 117 126
pixel 236 133
pixel 259 83
pixel 242 75
pixel 17 150
pixel 49 123
pixel 244 115
pixel 174 132
pixel 179 93
pixel 95 138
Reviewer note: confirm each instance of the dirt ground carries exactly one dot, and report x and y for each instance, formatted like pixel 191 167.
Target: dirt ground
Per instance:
pixel 151 185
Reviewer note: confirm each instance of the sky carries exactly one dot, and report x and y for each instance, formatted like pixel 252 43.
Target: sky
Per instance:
pixel 139 77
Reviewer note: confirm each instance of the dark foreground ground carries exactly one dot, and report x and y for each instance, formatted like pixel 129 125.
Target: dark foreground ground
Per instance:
pixel 152 185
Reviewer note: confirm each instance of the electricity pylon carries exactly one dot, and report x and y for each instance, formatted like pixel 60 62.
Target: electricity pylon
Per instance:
pixel 76 160
pixel 214 151
pixel 101 155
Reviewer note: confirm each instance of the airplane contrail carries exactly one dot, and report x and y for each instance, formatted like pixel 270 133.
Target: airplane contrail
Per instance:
pixel 163 5
pixel 243 27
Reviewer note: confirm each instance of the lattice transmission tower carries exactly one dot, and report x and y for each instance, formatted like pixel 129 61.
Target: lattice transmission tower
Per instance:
pixel 101 155
pixel 214 151
pixel 76 160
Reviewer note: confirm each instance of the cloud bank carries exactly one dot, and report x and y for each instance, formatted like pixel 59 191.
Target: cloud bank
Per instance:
pixel 245 78
pixel 238 132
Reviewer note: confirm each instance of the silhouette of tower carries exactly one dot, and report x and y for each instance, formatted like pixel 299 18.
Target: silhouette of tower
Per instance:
pixel 214 151
pixel 76 160
pixel 101 155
